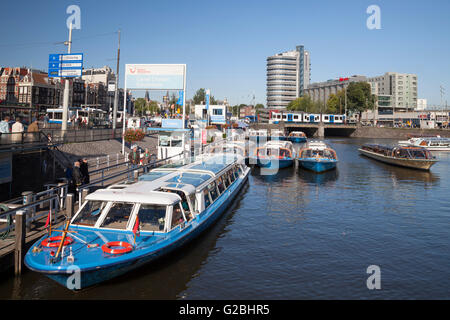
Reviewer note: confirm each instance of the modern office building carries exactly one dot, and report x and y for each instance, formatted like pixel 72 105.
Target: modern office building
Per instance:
pixel 401 88
pixel 288 75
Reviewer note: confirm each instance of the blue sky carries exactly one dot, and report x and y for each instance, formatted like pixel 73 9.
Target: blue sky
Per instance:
pixel 225 43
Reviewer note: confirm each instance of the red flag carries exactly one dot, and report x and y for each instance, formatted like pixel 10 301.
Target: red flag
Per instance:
pixel 136 226
pixel 49 218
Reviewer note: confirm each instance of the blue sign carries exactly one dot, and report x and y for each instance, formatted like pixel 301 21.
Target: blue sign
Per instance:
pixel 207 99
pixel 180 98
pixel 172 123
pixel 69 65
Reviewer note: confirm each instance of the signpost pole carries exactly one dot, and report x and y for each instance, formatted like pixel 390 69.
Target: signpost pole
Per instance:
pixel 116 92
pixel 124 122
pixel 66 88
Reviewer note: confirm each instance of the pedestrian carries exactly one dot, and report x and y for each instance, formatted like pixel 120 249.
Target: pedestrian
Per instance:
pixel 77 177
pixel 4 130
pixel 46 120
pixel 133 158
pixel 69 177
pixel 146 160
pixel 34 126
pixel 17 130
pixel 84 167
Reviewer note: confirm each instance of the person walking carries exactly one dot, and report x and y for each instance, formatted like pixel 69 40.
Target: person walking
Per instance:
pixel 4 130
pixel 17 130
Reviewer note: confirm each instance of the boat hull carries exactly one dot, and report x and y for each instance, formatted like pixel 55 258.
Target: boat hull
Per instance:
pixel 272 163
pixel 95 275
pixel 317 166
pixel 408 163
pixel 279 138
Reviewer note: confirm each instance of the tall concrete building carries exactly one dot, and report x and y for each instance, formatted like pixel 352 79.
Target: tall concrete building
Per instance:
pixel 288 75
pixel 400 87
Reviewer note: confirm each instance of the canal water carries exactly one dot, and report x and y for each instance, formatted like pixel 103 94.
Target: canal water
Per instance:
pixel 299 235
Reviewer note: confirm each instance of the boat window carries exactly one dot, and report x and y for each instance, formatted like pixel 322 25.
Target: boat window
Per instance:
pixel 231 174
pixel 177 216
pixel 90 213
pixel 118 215
pixel 206 198
pixel 213 191
pixel 152 217
pixel 221 184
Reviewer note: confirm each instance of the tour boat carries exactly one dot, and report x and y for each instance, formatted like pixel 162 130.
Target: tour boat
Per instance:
pixel 277 135
pixel 411 157
pixel 297 137
pixel 125 226
pixel 242 148
pixel 257 136
pixel 274 155
pixel 317 156
pixel 429 143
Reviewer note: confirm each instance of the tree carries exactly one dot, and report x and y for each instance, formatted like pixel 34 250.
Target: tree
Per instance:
pixel 200 97
pixel 304 104
pixel 140 105
pixel 360 97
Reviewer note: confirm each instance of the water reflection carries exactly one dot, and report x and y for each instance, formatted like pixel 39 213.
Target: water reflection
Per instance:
pixel 318 178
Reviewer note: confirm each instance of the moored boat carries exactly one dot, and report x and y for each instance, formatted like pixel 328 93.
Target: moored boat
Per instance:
pixel 410 157
pixel 297 137
pixel 429 143
pixel 274 155
pixel 277 135
pixel 257 136
pixel 127 226
pixel 317 156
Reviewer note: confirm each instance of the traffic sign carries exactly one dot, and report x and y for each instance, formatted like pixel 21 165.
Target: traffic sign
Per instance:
pixel 68 65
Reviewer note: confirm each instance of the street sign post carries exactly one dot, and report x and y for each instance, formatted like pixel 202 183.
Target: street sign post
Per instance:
pixel 69 65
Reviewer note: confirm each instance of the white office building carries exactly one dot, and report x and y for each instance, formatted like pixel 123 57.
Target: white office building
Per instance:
pixel 288 75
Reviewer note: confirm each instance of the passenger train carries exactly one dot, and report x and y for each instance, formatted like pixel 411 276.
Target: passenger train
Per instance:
pixel 303 117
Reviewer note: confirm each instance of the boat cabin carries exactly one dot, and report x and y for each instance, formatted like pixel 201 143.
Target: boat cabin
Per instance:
pixel 280 149
pixel 399 151
pixel 163 199
pixel 317 150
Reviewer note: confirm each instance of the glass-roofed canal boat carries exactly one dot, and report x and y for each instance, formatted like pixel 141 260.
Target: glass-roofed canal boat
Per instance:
pixel 410 157
pixel 125 226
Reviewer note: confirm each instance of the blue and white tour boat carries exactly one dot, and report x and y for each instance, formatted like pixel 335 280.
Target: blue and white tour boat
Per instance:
pixel 317 156
pixel 126 226
pixel 274 155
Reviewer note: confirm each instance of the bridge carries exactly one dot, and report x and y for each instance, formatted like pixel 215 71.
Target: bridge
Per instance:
pixel 318 130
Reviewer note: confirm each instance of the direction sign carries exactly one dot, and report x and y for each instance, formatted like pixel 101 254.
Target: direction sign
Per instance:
pixel 69 65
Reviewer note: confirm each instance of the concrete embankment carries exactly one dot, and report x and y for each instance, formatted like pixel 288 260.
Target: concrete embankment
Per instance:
pixel 396 133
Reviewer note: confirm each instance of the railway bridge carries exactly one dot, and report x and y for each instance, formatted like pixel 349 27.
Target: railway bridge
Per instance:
pixel 318 130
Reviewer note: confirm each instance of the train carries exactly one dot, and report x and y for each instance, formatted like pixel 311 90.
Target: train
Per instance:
pixel 303 117
pixel 88 116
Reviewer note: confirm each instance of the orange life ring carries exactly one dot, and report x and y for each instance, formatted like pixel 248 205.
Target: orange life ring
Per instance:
pixel 54 242
pixel 126 247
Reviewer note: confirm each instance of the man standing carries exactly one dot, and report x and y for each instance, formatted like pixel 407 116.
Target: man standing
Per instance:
pixel 134 158
pixel 84 168
pixel 4 129
pixel 17 130
pixel 77 177
pixel 146 160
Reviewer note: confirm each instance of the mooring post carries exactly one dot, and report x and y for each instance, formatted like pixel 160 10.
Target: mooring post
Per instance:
pixel 27 197
pixel 69 205
pixel 20 232
pixel 84 193
pixel 136 175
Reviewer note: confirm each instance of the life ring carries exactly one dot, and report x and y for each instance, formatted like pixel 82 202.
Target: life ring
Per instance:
pixel 126 247
pixel 54 242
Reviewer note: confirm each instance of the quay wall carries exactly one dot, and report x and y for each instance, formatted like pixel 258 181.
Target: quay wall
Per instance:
pixel 396 133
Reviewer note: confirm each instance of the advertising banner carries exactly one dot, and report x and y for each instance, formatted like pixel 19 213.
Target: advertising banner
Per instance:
pixel 155 76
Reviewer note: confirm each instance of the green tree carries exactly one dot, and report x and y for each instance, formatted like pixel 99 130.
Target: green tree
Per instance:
pixel 360 97
pixel 140 105
pixel 200 97
pixel 304 104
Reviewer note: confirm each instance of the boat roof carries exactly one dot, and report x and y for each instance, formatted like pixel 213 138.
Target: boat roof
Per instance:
pixel 127 195
pixel 317 145
pixel 278 144
pixel 186 178
pixel 387 147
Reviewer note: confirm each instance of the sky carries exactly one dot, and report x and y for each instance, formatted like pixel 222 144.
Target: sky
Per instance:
pixel 225 44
